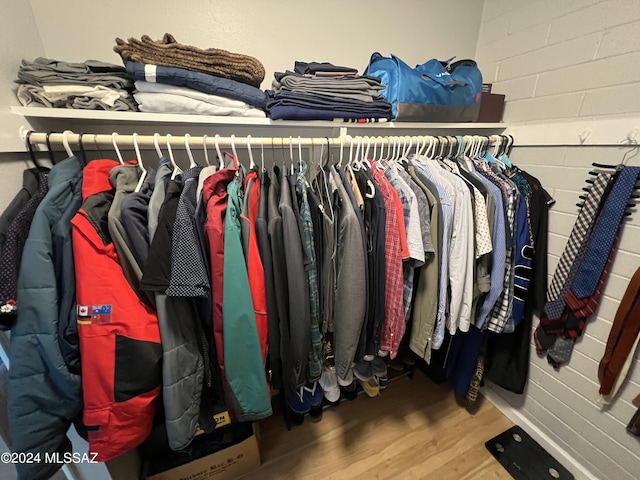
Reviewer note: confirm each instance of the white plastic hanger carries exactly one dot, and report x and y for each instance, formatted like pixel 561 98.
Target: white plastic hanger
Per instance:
pixel 262 154
pixel 299 153
pixel 220 158
pixel 65 142
pixel 233 147
pixel 156 143
pixel 176 169
pixel 204 147
pixel 187 147
pixel 291 152
pixel 341 151
pixel 252 164
pixel 374 155
pixel 143 175
pixel 115 147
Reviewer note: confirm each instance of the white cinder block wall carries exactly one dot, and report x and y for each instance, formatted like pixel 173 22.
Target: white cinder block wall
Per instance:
pixel 561 59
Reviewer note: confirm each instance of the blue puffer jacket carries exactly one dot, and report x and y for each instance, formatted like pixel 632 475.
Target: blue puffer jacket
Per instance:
pixel 44 396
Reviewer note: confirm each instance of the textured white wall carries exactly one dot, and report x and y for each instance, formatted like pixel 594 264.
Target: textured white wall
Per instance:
pixel 562 58
pixel 277 32
pixel 563 403
pixel 558 59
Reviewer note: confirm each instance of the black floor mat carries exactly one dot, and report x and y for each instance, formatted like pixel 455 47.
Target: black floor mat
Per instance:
pixel 523 458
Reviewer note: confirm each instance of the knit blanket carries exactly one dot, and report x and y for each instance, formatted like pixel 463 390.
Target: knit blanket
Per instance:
pixel 213 61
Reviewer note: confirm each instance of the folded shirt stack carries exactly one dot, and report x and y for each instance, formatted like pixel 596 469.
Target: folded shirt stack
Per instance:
pixel 90 85
pixel 174 78
pixel 322 91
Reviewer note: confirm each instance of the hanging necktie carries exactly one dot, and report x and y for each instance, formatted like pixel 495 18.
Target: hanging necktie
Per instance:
pixel 580 232
pixel 602 239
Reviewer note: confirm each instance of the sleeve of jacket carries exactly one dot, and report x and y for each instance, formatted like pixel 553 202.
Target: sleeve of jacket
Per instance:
pixel 44 397
pixel 350 296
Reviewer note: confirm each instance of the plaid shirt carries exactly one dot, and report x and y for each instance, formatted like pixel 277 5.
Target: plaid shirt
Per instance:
pixel 498 256
pixel 393 326
pixel 501 312
pixel 414 235
pixel 315 354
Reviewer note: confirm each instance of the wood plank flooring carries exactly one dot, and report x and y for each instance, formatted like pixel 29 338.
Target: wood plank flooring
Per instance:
pixel 414 430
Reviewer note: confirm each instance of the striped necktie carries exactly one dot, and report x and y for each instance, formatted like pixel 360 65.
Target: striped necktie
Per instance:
pixel 603 236
pixel 579 234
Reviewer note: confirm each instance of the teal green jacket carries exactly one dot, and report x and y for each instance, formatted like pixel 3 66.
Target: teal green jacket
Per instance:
pixel 246 390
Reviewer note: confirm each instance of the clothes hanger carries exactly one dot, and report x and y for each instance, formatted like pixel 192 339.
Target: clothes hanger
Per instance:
pixel 115 147
pixel 324 180
pixel 291 153
pixel 143 175
pixel 83 160
pixel 192 162
pixel 31 151
pixel 252 164
pixel 176 169
pixel 218 152
pixel 353 161
pixel 65 142
pixel 262 154
pixel 233 148
pixel 49 149
pixel 95 142
pixel 156 143
pixel 300 153
pixel 382 139
pixel 341 150
pixel 204 147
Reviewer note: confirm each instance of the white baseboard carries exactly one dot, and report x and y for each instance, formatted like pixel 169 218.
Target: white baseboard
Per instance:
pixel 577 469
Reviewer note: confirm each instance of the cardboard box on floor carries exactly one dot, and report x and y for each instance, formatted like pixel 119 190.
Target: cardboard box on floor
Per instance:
pixel 227 464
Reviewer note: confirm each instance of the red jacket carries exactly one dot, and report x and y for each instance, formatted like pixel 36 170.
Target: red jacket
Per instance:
pixel 214 194
pixel 119 336
pixel 255 268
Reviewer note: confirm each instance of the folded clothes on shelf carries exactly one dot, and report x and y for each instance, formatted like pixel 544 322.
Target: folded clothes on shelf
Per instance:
pixel 202 82
pixel 78 97
pixel 342 107
pixel 323 69
pixel 44 71
pixel 171 103
pixel 365 89
pixel 213 61
pixel 306 94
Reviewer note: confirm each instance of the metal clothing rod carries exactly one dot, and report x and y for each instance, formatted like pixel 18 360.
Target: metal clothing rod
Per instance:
pixel 226 142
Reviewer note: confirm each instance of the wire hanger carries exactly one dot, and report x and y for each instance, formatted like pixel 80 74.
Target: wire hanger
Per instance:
pixel 218 152
pixel 204 147
pixel 192 162
pixel 95 142
pixel 49 149
pixel 143 175
pixel 83 160
pixel 115 147
pixel 252 164
pixel 31 151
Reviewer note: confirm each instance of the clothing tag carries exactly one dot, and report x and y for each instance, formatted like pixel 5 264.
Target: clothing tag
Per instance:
pixel 150 73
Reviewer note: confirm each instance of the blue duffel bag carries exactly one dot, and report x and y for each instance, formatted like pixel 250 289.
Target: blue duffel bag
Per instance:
pixel 435 91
